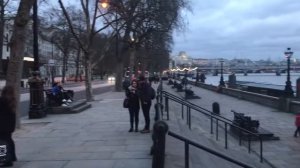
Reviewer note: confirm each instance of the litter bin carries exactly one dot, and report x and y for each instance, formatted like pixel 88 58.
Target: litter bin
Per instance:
pixel 22 84
pixel 216 108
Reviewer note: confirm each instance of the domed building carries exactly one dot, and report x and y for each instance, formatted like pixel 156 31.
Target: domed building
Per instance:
pixel 182 60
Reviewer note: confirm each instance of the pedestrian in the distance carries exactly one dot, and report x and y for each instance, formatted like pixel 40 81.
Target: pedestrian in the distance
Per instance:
pixel 8 122
pixel 297 123
pixel 126 84
pixel 133 105
pixel 146 94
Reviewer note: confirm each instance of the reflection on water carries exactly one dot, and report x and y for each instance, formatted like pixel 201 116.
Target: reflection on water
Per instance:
pixel 269 78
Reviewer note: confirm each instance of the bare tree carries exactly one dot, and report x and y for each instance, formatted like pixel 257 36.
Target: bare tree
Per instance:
pixel 138 21
pixel 3 5
pixel 17 46
pixel 89 8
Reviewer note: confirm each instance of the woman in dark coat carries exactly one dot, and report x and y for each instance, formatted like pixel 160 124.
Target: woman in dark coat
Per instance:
pixel 8 121
pixel 134 107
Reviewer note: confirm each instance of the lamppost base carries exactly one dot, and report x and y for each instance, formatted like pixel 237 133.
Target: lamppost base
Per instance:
pixel 37 105
pixel 37 111
pixel 222 83
pixel 289 93
pixel 288 89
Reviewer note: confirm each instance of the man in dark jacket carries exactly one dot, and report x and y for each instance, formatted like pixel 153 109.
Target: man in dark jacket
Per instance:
pixel 145 95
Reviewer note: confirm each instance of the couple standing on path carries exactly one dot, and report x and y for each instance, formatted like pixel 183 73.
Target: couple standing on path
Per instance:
pixel 139 93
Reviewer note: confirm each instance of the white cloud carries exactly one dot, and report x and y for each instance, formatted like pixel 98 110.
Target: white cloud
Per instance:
pixel 227 28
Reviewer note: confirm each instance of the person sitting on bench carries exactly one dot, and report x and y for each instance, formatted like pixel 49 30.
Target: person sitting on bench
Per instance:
pixel 62 97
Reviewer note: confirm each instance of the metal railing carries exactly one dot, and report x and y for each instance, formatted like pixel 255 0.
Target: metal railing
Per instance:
pixel 188 142
pixel 213 119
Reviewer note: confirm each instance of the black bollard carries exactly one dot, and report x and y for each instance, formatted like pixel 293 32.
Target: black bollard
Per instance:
pixel 216 108
pixel 160 130
pixel 158 112
pixel 298 88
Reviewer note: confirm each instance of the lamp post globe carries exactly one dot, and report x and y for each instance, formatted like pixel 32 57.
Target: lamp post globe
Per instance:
pixel 288 85
pixel 222 83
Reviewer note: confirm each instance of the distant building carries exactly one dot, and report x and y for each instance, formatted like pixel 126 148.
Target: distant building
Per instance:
pixel 48 52
pixel 181 60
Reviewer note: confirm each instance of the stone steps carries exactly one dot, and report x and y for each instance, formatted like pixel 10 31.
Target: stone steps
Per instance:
pixel 74 107
pixel 200 133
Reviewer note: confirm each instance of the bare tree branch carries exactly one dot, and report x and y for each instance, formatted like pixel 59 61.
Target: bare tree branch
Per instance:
pixel 71 26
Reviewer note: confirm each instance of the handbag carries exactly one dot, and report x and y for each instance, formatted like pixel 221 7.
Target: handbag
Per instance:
pixel 126 103
pixel 5 155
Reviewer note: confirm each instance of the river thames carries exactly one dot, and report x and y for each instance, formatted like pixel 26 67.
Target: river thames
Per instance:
pixel 267 78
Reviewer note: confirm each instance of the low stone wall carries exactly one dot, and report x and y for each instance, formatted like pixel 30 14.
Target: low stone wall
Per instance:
pixel 295 107
pixel 283 104
pixel 254 97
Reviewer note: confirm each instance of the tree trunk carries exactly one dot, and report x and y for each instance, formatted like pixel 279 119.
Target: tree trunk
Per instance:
pixel 52 74
pixel 119 76
pixel 88 78
pixel 77 64
pixel 2 22
pixel 132 61
pixel 17 46
pixel 64 67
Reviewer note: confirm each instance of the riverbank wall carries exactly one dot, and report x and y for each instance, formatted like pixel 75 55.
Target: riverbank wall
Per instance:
pixel 290 105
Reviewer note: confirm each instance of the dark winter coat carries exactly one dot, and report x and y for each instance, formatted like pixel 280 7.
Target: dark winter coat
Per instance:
pixel 132 95
pixel 297 121
pixel 7 118
pixel 146 92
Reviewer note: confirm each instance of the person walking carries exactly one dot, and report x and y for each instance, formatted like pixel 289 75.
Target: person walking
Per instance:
pixel 133 105
pixel 8 122
pixel 146 96
pixel 297 123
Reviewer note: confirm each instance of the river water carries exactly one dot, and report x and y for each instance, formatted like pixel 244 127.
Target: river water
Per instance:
pixel 268 78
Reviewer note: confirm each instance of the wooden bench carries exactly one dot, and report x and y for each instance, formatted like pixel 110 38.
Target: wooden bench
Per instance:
pixel 50 99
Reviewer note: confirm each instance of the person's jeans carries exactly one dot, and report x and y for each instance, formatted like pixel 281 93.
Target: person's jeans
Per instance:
pixel 134 117
pixel 297 131
pixel 146 112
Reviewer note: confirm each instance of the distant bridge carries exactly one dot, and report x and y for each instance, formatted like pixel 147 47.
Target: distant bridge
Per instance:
pixel 268 68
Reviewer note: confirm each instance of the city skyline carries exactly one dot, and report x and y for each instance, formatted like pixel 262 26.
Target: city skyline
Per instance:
pixel 230 29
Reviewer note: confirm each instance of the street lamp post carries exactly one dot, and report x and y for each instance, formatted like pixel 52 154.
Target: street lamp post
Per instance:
pixel 222 83
pixel 185 78
pixel 37 108
pixel 105 4
pixel 288 85
pixel 197 76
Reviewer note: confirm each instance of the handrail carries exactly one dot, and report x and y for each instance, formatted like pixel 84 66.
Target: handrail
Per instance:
pixel 189 142
pixel 206 112
pixel 209 113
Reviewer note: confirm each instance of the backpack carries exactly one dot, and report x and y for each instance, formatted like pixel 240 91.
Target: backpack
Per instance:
pixel 152 93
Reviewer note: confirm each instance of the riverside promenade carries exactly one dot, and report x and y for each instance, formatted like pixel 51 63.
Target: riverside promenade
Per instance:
pixel 98 137
pixel 283 153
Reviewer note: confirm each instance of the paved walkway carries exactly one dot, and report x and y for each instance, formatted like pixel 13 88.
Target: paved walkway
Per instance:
pixel 95 138
pixel 282 153
pixel 98 137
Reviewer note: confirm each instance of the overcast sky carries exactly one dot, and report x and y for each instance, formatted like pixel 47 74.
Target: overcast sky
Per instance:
pixel 254 29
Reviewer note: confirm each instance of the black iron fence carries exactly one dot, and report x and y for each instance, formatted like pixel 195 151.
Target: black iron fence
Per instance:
pixel 214 119
pixel 188 142
pixel 160 129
